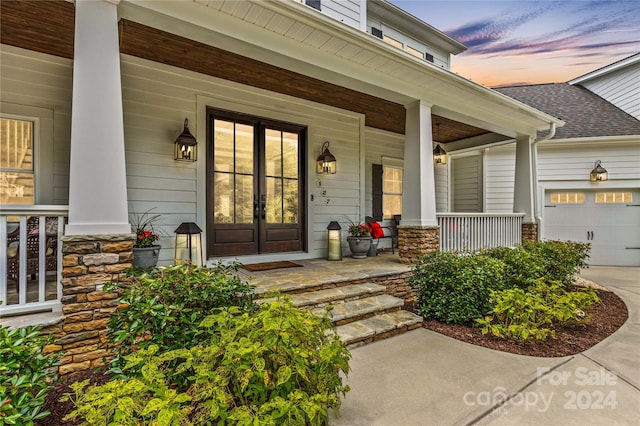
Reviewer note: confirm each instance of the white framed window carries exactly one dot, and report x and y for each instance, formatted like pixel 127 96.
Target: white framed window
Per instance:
pixel 392 191
pixel 614 197
pixel 17 158
pixel 567 198
pixel 415 52
pixel 393 41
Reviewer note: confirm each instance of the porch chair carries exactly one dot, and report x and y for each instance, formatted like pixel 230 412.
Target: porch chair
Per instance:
pixel 33 249
pixel 378 231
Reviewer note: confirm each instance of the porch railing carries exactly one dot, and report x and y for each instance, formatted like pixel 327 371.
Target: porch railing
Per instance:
pixel 30 258
pixel 474 231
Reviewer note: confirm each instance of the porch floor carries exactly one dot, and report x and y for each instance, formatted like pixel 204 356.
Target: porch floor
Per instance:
pixel 51 290
pixel 316 273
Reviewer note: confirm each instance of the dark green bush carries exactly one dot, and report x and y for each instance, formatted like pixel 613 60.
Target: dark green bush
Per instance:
pixel 277 366
pixel 561 260
pixel 454 288
pixel 25 374
pixel 165 307
pixel 520 314
pixel 521 268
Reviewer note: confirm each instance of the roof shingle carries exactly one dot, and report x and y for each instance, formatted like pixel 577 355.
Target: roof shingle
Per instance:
pixel 585 113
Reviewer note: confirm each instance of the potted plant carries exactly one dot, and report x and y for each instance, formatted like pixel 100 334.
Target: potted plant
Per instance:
pixel 145 247
pixel 359 240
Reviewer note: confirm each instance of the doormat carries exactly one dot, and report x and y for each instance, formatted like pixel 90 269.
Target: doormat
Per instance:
pixel 267 266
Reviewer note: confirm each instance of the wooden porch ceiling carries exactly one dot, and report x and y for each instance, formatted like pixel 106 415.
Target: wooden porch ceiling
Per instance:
pixel 48 27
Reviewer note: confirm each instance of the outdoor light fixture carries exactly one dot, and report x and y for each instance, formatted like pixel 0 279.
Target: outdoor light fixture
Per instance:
pixel 188 243
pixel 335 241
pixel 326 163
pixel 598 174
pixel 439 154
pixel 186 145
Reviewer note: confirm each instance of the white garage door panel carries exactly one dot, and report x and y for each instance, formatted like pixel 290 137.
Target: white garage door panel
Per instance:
pixel 613 230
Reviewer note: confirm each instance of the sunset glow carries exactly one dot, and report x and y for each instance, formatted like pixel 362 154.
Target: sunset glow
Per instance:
pixel 528 42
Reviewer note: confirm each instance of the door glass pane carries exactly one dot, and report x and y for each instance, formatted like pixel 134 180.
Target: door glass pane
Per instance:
pixel 244 199
pixel 223 146
pixel 223 199
pixel 16 162
pixel 244 148
pixel 274 200
pixel 273 152
pixel 290 155
pixel 290 201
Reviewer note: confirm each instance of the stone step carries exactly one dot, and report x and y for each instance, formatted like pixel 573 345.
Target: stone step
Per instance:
pixel 322 298
pixel 301 287
pixel 377 327
pixel 346 312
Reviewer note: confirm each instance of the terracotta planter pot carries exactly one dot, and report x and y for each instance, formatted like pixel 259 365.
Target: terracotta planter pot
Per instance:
pixel 359 246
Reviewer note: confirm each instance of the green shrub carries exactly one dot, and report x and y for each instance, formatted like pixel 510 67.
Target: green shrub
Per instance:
pixel 454 288
pixel 561 260
pixel 25 374
pixel 164 307
pixel 521 268
pixel 279 365
pixel 520 314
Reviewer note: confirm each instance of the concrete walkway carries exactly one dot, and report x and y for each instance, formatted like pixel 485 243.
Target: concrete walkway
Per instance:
pixel 424 378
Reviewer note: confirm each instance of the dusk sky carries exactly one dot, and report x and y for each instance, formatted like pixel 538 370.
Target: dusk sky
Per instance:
pixel 524 42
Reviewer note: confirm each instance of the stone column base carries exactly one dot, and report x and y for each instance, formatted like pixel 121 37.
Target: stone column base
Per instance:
pixel 416 240
pixel 89 262
pixel 529 232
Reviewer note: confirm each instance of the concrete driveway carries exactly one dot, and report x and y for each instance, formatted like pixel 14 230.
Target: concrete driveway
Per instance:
pixel 424 378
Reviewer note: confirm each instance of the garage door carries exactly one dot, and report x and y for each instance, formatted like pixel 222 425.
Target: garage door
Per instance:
pixel 609 220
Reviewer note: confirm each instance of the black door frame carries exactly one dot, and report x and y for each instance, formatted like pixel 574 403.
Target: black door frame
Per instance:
pixel 255 235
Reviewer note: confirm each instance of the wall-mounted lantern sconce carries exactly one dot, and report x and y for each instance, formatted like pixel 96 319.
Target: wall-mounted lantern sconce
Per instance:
pixel 335 241
pixel 326 163
pixel 598 174
pixel 439 155
pixel 186 146
pixel 188 243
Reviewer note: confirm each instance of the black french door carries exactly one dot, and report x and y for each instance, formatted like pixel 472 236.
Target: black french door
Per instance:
pixel 255 185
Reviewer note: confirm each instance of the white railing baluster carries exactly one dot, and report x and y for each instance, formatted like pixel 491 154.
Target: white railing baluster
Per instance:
pixel 27 264
pixel 475 231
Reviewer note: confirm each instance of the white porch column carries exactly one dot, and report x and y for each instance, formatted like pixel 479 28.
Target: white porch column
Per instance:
pixel 523 195
pixel 419 187
pixel 97 176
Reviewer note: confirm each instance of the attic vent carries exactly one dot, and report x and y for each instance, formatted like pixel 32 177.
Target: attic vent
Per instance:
pixel 376 32
pixel 313 3
pixel 428 57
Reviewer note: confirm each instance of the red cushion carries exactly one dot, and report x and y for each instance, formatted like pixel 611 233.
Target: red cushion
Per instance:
pixel 376 230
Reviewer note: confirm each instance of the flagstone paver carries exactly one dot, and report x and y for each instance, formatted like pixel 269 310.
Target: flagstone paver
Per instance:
pixel 360 310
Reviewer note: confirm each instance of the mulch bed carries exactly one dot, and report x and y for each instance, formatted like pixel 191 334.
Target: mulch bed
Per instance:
pixel 606 317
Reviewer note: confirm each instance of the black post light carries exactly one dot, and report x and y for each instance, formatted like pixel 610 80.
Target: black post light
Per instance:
pixel 334 251
pixel 188 243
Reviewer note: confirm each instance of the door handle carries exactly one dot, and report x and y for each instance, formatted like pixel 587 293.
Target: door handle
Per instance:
pixel 256 210
pixel 264 205
pixel 591 235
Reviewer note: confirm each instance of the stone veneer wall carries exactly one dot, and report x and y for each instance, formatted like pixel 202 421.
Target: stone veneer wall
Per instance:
pixel 88 263
pixel 416 240
pixel 397 285
pixel 529 232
